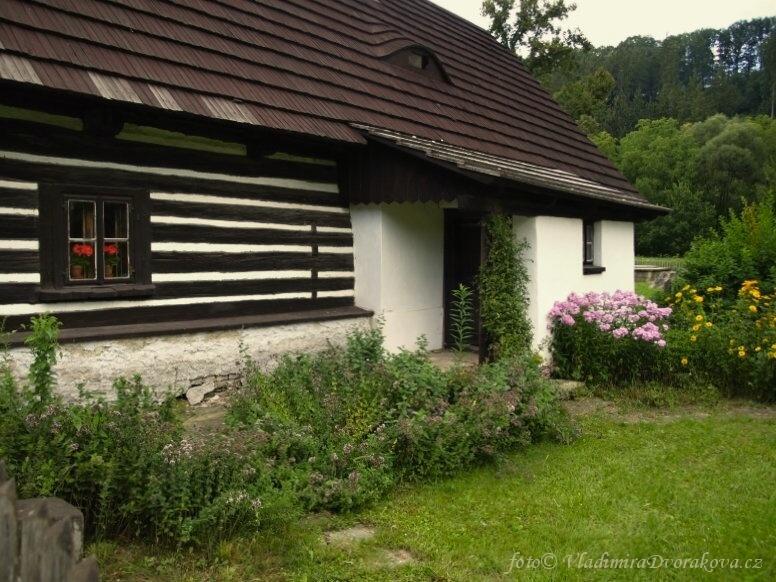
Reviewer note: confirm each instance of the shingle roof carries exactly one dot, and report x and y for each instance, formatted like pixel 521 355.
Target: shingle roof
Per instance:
pixel 311 67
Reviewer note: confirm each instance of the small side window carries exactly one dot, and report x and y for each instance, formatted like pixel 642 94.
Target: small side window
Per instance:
pixel 589 241
pixel 590 244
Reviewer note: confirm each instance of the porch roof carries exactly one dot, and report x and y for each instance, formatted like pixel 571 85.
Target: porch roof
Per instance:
pixel 514 171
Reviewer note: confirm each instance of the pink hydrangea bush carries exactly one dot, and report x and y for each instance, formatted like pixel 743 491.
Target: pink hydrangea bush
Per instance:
pixel 601 337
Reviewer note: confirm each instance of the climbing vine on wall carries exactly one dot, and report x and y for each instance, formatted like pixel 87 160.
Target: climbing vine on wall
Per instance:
pixel 503 282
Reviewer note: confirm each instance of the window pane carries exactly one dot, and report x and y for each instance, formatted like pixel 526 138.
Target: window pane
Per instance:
pixel 116 259
pixel 81 239
pixel 589 240
pixel 116 220
pixel 81 219
pixel 116 240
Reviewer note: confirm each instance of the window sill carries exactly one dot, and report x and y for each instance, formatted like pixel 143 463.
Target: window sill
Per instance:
pixel 592 269
pixel 83 292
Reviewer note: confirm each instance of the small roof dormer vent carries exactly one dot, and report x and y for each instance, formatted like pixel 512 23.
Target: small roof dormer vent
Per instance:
pixel 420 60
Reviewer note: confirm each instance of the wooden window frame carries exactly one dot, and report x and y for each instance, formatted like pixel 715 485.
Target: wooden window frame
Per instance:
pixel 56 284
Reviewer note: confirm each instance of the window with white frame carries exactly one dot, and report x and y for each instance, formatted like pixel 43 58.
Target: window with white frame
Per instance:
pixel 591 245
pixel 94 240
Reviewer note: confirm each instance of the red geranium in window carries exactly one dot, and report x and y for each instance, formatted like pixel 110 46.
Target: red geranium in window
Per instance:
pixel 111 254
pixel 80 253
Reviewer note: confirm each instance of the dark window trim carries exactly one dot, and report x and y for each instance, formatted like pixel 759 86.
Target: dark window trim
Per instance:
pixel 592 270
pixel 55 285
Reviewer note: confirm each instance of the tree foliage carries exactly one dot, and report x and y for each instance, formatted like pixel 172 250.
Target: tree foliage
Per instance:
pixel 703 171
pixel 530 28
pixel 688 77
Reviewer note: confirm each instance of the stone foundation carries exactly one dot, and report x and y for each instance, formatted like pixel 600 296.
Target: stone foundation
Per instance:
pixel 191 364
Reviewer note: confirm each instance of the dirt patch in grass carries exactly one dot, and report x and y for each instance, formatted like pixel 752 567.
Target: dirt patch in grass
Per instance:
pixel 375 558
pixel 345 537
pixel 630 413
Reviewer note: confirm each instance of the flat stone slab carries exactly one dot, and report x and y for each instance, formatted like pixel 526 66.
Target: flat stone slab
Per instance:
pixel 347 536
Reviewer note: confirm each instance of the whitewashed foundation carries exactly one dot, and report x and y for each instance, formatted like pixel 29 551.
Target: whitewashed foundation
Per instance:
pixel 191 364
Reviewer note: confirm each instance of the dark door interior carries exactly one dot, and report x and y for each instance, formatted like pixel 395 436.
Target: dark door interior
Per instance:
pixel 463 254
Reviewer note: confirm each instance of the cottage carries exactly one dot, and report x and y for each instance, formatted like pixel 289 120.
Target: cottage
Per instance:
pixel 182 181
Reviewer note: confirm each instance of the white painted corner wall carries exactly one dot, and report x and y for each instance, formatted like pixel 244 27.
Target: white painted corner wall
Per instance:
pixel 399 267
pixel 399 270
pixel 555 257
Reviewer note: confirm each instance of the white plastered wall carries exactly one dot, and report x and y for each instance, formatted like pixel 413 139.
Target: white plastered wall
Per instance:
pixel 399 263
pixel 554 262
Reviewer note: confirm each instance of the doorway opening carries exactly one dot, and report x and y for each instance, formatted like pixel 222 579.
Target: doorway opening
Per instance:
pixel 463 257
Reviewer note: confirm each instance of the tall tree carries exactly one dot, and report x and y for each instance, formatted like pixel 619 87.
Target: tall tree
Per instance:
pixel 769 65
pixel 530 28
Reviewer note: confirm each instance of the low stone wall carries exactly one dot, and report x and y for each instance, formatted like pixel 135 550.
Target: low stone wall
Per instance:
pixel 41 539
pixel 193 364
pixel 657 277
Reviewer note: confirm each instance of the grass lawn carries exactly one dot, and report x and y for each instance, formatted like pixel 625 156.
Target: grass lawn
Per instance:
pixel 687 482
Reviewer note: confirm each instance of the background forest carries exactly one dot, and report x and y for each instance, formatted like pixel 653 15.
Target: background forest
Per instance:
pixel 689 119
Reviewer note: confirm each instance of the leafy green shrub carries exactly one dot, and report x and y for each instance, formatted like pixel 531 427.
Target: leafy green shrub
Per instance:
pixel 745 250
pixel 731 346
pixel 347 431
pixel 126 463
pixel 334 430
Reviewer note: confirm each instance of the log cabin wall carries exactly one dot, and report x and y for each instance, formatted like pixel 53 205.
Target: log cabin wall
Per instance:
pixel 233 240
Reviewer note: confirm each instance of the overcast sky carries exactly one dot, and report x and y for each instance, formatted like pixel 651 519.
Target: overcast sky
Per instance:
pixel 608 22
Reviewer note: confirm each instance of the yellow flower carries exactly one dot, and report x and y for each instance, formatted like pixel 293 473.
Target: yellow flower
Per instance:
pixel 698 298
pixel 693 338
pixel 757 349
pixel 741 353
pixel 753 308
pixel 699 317
pixel 684 361
pixel 696 327
pixel 678 295
pixel 709 324
pixel 741 349
pixel 755 293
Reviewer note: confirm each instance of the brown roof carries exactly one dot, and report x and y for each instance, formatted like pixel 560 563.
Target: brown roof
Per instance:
pixel 310 67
